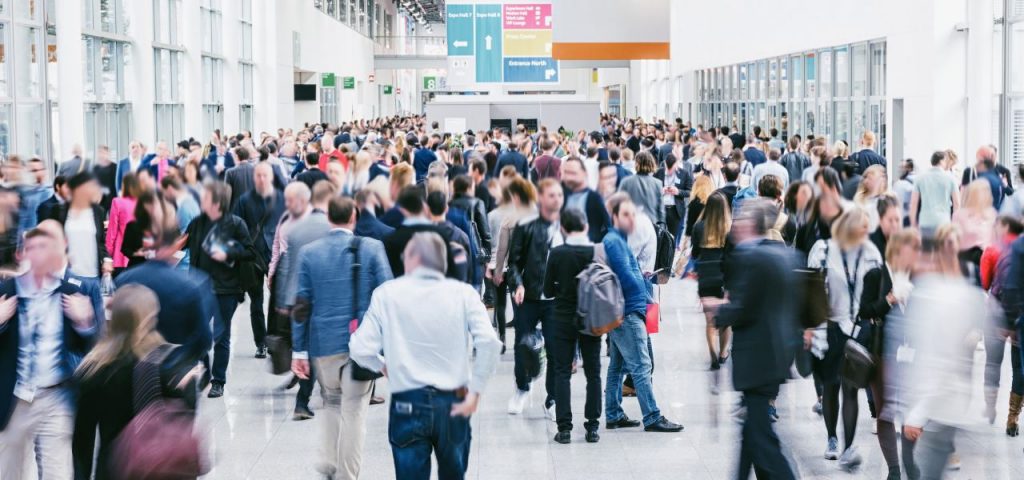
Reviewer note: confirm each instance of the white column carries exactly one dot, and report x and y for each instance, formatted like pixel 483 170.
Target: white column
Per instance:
pixel 71 121
pixel 140 76
pixel 189 32
pixel 231 49
pixel 980 38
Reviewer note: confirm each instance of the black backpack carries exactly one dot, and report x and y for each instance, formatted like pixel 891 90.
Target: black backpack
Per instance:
pixel 665 253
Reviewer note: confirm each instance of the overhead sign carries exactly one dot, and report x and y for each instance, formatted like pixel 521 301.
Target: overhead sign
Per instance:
pixel 327 80
pixel 494 43
pixel 387 89
pixel 430 83
pixel 348 83
pixel 633 29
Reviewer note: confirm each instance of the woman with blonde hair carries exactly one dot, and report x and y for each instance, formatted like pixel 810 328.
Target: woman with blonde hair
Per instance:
pixel 976 220
pixel 358 174
pixel 703 187
pixel 845 258
pixel 130 350
pixel 873 185
pixel 710 246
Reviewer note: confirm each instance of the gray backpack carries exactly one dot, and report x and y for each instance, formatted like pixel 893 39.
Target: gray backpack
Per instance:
pixel 600 304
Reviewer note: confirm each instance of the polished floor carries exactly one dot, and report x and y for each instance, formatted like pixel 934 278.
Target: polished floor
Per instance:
pixel 251 434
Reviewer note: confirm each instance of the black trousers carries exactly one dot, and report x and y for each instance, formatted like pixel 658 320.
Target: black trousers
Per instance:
pixel 560 339
pixel 500 304
pixel 257 316
pixel 672 221
pixel 760 447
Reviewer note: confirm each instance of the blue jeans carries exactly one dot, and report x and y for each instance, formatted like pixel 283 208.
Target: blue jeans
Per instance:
pixel 226 305
pixel 629 354
pixel 421 423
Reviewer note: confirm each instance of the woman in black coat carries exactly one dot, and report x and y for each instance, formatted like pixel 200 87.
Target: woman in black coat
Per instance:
pixel 711 244
pixel 885 288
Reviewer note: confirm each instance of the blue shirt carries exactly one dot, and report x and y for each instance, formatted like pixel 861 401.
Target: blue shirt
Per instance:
pixel 624 264
pixel 997 187
pixel 188 210
pixel 41 332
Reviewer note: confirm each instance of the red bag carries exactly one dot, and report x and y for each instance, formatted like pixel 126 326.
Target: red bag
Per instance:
pixel 653 317
pixel 159 443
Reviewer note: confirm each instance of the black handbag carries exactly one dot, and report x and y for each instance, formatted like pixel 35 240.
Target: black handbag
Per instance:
pixel 358 373
pixel 858 364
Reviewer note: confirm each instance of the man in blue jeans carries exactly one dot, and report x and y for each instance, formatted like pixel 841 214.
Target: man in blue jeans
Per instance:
pixel 629 352
pixel 428 342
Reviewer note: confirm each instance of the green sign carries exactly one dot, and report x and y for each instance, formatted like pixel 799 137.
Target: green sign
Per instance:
pixel 387 89
pixel 430 83
pixel 348 83
pixel 327 79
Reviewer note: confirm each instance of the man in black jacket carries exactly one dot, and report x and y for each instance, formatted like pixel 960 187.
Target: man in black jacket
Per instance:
pixel 412 204
pixel 675 193
pixel 261 209
pixel 765 333
pixel 217 242
pixel 731 173
pixel 577 195
pixel 531 241
pixel 561 334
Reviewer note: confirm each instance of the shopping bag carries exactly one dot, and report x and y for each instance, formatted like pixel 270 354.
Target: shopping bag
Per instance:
pixel 653 317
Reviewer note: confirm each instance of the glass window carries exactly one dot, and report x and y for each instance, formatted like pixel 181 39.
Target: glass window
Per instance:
pixel 4 64
pixel 811 67
pixel 860 70
pixel 169 122
pixel 104 65
pixel 246 41
pixel 210 30
pixel 842 57
pixel 783 77
pixel 332 7
pixel 165 21
pixel 246 71
pixel 352 16
pixel 167 66
pixel 1017 63
pixel 31 128
pixel 843 121
pixel 762 79
pixel 773 79
pixel 5 129
pixel 213 119
pixel 878 69
pixel 245 117
pixel 28 62
pixel 103 15
pixel 247 10
pixel 743 82
pixel 27 9
pixel 825 82
pixel 798 76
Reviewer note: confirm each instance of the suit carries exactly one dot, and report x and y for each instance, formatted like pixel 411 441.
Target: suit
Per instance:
pixel 765 338
pixel 674 214
pixel 369 226
pixel 76 343
pixel 866 158
pixel 124 167
pixel 598 221
pixel 210 162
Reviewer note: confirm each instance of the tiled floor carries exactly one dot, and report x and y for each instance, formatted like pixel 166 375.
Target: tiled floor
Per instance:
pixel 251 434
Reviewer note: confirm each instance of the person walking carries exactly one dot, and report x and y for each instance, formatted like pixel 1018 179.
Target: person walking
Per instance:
pixel 711 246
pixel 261 209
pixel 337 275
pixel 217 241
pixel 628 350
pixel 935 197
pixel 50 317
pixel 532 241
pixel 83 221
pixel 122 212
pixel 765 328
pixel 644 189
pixel 427 342
pixel 562 337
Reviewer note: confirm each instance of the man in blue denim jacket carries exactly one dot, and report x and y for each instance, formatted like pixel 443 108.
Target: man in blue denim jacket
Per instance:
pixel 327 308
pixel 628 347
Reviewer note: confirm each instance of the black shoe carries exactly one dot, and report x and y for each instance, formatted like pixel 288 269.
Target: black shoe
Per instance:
pixel 623 422
pixel 216 390
pixel 302 413
pixel 376 400
pixel 563 436
pixel 592 436
pixel 261 351
pixel 663 425
pixel 715 365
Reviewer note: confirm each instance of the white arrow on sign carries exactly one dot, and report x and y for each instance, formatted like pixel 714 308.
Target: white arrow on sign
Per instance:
pixel 549 74
pixel 487 42
pixel 460 44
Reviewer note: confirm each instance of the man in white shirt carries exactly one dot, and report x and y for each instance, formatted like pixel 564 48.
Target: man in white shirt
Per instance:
pixel 428 341
pixel 771 167
pixel 591 164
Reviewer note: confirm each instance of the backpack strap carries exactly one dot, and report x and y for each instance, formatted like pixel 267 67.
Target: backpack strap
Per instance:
pixel 600 256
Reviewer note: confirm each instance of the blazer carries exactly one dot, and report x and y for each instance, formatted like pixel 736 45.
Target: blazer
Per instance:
pixel 866 158
pixel 598 221
pixel 684 183
pixel 877 284
pixel 98 217
pixel 76 344
pixel 765 329
pixel 306 231
pixel 324 303
pixel 124 167
pixel 368 226
pixel 210 162
pixel 238 244
pixel 122 212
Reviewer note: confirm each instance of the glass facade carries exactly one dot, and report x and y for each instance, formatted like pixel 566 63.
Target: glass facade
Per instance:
pixel 246 68
pixel 213 67
pixel 23 56
pixel 838 92
pixel 368 17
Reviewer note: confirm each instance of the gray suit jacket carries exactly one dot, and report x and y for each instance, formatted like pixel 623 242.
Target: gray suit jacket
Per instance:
pixel 308 230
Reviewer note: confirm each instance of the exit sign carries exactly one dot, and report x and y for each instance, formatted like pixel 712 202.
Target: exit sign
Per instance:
pixel 348 83
pixel 387 89
pixel 327 80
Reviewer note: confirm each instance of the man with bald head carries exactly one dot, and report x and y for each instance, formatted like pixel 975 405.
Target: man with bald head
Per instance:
pixel 261 209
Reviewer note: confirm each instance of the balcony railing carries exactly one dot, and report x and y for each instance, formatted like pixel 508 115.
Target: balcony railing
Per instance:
pixel 420 45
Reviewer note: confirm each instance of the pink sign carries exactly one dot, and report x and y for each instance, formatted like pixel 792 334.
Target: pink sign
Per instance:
pixel 532 16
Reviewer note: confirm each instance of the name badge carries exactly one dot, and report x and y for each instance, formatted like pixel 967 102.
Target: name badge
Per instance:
pixel 905 354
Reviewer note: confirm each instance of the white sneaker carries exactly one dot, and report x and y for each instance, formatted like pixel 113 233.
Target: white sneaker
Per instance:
pixel 549 412
pixel 954 462
pixel 517 403
pixel 874 427
pixel 850 459
pixel 832 452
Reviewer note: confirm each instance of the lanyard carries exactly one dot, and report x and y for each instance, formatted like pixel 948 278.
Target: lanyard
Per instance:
pixel 851 279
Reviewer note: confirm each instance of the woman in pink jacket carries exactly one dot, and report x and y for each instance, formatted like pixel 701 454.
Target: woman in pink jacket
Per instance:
pixel 122 212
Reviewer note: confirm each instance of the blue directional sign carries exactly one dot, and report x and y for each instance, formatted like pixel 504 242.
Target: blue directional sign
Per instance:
pixel 530 70
pixel 488 43
pixel 460 30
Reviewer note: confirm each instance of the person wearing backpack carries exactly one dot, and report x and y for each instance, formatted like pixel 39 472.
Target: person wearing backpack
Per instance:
pixel 995 266
pixel 532 240
pixel 629 341
pixel 562 334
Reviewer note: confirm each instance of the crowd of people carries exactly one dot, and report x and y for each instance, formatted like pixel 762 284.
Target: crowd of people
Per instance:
pixel 390 248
